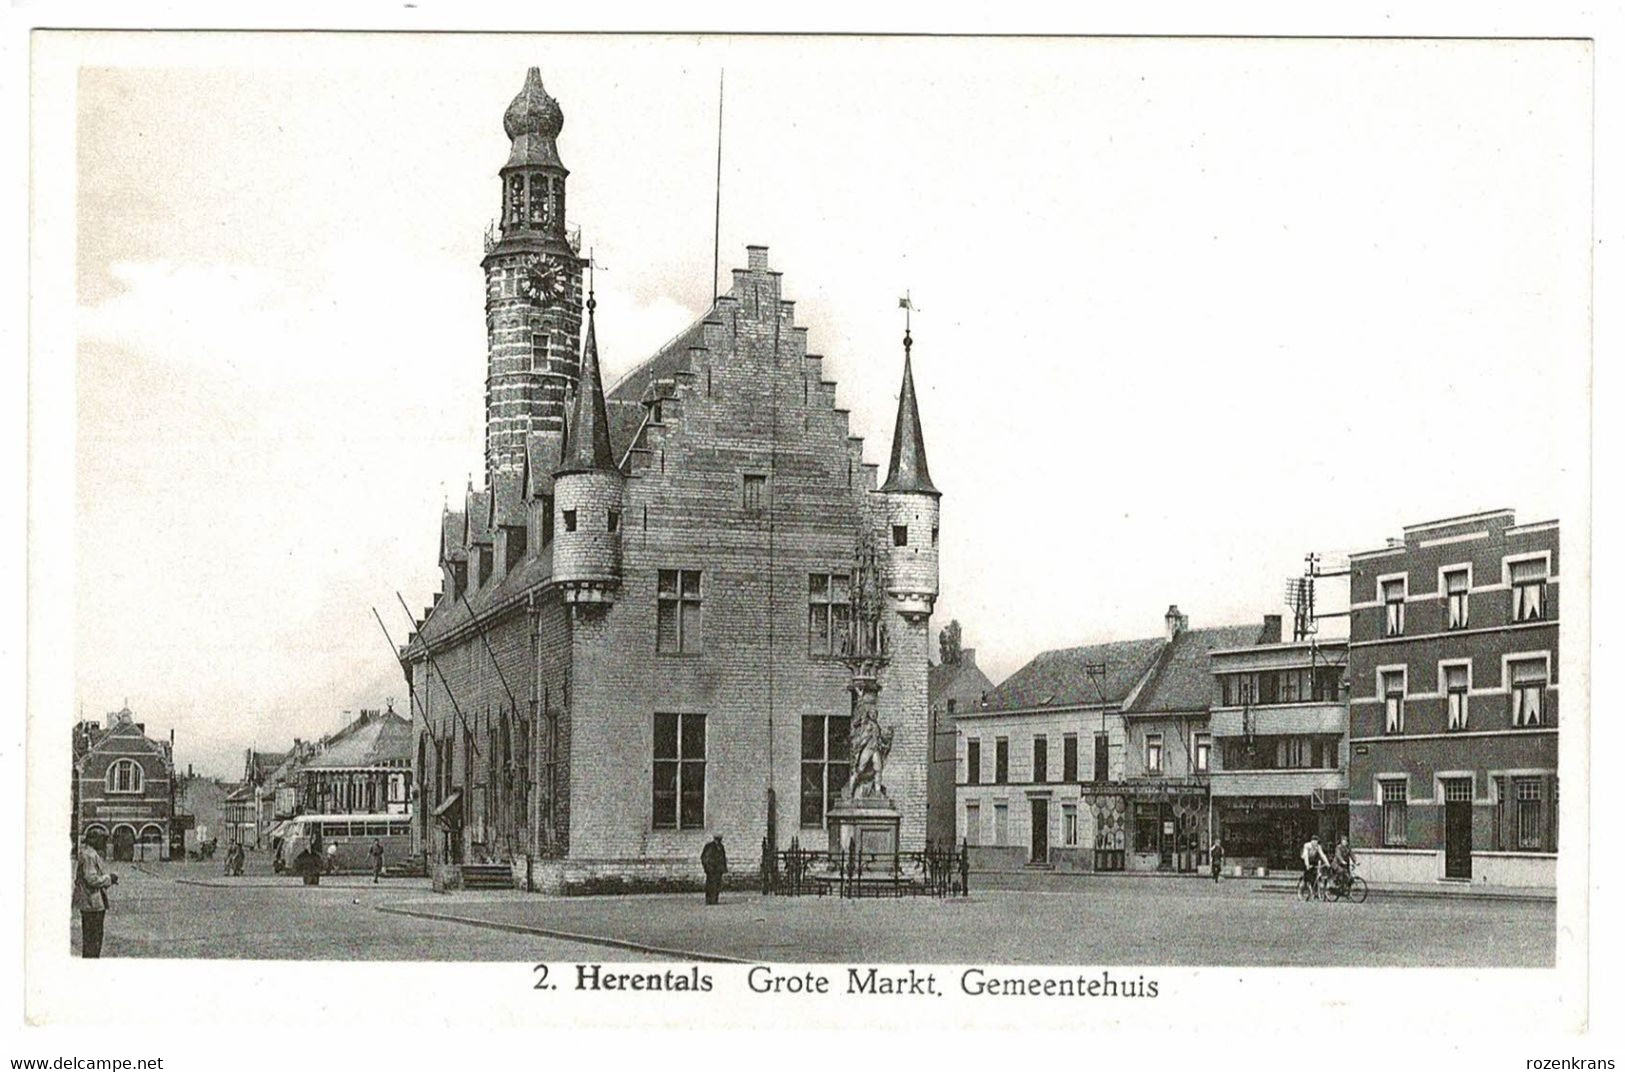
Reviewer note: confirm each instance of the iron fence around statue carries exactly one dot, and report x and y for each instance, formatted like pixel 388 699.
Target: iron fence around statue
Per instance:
pixel 936 871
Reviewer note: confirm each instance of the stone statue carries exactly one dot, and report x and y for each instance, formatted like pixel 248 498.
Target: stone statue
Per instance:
pixel 870 745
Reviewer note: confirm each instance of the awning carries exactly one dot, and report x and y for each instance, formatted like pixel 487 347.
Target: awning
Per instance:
pixel 449 812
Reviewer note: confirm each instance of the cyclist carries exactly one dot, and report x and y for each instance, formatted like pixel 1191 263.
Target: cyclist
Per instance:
pixel 1314 858
pixel 1342 862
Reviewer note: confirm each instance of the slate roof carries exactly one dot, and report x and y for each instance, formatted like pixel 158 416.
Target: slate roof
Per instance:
pixel 451 537
pixel 449 612
pixel 378 739
pixel 666 362
pixel 1182 679
pixel 479 517
pixel 908 471
pixel 1058 679
pixel 507 500
pixel 586 435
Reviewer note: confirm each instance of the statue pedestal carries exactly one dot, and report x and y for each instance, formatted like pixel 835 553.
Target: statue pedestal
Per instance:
pixel 871 823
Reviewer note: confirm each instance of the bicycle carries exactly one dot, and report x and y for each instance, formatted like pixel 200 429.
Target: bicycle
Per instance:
pixel 1346 886
pixel 1312 888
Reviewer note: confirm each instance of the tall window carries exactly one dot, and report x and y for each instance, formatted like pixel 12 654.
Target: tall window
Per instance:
pixel 1393 701
pixel 1069 757
pixel 829 611
pixel 1069 824
pixel 1455 597
pixel 1153 753
pixel 124 776
pixel 1328 683
pixel 755 493
pixel 679 769
pixel 1393 601
pixel 1001 824
pixel 1202 752
pixel 678 621
pixel 973 822
pixel 1393 813
pixel 1528 590
pixel 1528 692
pixel 1102 758
pixel 1456 679
pixel 1001 762
pixel 973 762
pixel 1530 829
pixel 825 751
pixel 1040 758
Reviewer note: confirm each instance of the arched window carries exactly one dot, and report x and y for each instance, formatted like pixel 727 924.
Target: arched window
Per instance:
pixel 124 776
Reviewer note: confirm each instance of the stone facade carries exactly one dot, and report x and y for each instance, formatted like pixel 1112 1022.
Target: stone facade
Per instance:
pixel 649 671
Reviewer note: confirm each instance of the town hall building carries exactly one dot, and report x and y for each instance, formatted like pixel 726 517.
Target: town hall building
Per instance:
pixel 679 607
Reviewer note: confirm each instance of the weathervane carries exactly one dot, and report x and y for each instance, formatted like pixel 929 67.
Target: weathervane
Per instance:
pixel 906 304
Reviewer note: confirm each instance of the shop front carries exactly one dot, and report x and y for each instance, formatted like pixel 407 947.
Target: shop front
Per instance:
pixel 1269 831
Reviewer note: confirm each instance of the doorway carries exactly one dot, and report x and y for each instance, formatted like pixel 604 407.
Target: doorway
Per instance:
pixel 1458 828
pixel 1040 806
pixel 123 843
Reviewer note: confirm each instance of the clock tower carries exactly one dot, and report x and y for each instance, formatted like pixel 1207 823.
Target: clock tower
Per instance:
pixel 532 287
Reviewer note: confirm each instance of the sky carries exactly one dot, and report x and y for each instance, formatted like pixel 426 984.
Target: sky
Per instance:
pixel 1186 310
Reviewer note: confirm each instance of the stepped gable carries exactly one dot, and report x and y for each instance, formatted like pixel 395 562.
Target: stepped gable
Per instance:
pixel 1182 679
pixel 1059 679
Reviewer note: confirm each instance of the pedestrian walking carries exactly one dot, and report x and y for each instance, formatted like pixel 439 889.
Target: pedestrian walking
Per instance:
pixel 1215 856
pixel 714 859
pixel 91 881
pixel 332 857
pixel 377 855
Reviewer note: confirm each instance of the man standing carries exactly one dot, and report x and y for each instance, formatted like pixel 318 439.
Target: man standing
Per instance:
pixel 1314 857
pixel 376 853
pixel 1215 856
pixel 714 859
pixel 90 884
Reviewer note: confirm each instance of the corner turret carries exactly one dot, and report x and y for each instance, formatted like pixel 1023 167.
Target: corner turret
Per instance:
pixel 911 505
pixel 588 491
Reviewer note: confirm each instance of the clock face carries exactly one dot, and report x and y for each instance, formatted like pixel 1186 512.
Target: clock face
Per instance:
pixel 542 279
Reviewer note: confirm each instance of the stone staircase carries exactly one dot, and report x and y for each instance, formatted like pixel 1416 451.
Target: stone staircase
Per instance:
pixel 487 877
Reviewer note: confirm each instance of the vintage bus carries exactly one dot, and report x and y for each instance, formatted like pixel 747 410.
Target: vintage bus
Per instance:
pixel 353 835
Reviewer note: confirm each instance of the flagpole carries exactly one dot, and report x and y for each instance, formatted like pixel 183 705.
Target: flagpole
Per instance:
pixel 716 217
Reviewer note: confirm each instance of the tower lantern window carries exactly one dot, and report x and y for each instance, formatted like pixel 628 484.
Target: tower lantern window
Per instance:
pixel 516 198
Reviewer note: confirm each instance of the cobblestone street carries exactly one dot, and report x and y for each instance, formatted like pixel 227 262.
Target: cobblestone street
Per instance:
pixel 1063 921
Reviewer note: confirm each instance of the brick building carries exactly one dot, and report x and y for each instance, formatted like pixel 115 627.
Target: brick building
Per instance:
pixel 124 788
pixel 1279 738
pixel 1453 707
pixel 953 686
pixel 639 637
pixel 1091 758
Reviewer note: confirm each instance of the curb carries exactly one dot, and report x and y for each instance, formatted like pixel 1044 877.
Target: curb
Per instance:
pixel 568 936
pixel 1388 892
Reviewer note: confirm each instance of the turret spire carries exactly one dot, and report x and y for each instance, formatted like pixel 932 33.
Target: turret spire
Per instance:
pixel 586 434
pixel 909 471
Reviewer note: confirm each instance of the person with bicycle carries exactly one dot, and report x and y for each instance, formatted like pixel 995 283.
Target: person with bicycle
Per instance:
pixel 1314 858
pixel 1342 862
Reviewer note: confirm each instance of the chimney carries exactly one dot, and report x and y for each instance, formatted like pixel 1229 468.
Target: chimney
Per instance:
pixel 1272 630
pixel 1175 621
pixel 967 656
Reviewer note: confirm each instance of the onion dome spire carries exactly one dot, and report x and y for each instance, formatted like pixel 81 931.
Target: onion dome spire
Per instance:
pixel 586 434
pixel 909 471
pixel 532 122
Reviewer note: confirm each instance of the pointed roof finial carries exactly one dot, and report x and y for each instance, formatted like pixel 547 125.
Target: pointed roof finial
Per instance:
pixel 909 471
pixel 586 433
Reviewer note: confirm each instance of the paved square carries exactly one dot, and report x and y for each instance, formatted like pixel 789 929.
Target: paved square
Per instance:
pixel 190 911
